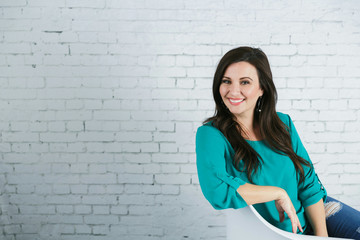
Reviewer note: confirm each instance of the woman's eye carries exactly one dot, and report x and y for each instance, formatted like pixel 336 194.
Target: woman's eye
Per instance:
pixel 225 81
pixel 245 82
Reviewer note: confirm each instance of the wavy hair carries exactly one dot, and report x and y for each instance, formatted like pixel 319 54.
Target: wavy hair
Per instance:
pixel 272 129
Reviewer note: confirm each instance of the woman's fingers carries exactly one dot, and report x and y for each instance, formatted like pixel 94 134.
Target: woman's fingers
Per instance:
pixel 293 218
pixel 294 228
pixel 301 230
pixel 294 222
pixel 285 205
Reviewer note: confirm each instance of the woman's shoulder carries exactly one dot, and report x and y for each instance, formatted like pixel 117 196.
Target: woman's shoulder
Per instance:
pixel 208 129
pixel 285 118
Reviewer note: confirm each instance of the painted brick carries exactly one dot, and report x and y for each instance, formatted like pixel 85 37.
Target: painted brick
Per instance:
pixel 101 100
pixel 135 178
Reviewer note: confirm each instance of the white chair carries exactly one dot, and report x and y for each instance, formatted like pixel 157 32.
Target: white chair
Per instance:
pixel 246 223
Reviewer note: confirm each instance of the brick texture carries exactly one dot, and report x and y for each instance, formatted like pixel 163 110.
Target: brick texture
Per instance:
pixel 101 99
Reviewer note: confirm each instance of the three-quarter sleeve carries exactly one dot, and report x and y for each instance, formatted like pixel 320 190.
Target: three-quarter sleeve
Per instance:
pixel 311 190
pixel 218 187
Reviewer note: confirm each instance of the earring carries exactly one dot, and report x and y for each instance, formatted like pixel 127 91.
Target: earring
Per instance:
pixel 259 104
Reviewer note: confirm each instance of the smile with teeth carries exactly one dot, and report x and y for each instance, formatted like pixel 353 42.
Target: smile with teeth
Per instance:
pixel 236 101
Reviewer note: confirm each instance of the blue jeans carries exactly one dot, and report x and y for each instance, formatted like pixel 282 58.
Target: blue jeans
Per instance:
pixel 342 220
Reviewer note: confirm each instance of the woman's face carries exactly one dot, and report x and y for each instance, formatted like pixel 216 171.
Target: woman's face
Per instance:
pixel 240 89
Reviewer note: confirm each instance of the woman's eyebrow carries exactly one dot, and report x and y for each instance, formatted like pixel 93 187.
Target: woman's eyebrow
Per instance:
pixel 240 78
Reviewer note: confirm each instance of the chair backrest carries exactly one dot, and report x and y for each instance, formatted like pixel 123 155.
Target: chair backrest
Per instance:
pixel 247 223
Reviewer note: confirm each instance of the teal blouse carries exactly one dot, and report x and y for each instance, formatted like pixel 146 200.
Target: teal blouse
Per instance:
pixel 219 179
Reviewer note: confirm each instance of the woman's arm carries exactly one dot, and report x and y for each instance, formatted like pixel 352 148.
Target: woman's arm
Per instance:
pixel 311 192
pixel 253 194
pixel 217 185
pixel 316 215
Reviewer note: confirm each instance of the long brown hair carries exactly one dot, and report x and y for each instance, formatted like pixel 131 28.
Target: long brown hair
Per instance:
pixel 272 129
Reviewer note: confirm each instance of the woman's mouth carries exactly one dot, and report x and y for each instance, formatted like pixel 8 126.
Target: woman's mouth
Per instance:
pixel 236 101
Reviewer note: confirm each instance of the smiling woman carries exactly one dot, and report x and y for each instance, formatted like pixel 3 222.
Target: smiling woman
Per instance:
pixel 240 90
pixel 249 154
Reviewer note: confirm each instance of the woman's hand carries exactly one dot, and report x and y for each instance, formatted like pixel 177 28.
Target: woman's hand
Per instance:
pixel 253 194
pixel 284 204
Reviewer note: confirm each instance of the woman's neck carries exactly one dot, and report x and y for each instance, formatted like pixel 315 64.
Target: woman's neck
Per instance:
pixel 249 129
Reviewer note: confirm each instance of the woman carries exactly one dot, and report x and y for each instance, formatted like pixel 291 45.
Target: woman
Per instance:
pixel 247 154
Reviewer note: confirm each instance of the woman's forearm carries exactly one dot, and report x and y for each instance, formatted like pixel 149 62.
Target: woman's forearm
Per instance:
pixel 253 194
pixel 316 215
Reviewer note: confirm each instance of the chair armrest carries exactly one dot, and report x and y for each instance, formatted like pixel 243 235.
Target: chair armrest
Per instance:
pixel 247 223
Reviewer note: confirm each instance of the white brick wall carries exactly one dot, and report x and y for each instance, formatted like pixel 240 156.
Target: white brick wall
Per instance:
pixel 100 101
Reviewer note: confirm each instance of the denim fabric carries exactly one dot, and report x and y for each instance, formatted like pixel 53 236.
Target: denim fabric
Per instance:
pixel 342 220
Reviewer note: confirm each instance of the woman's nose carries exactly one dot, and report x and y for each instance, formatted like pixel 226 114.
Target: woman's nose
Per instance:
pixel 235 89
